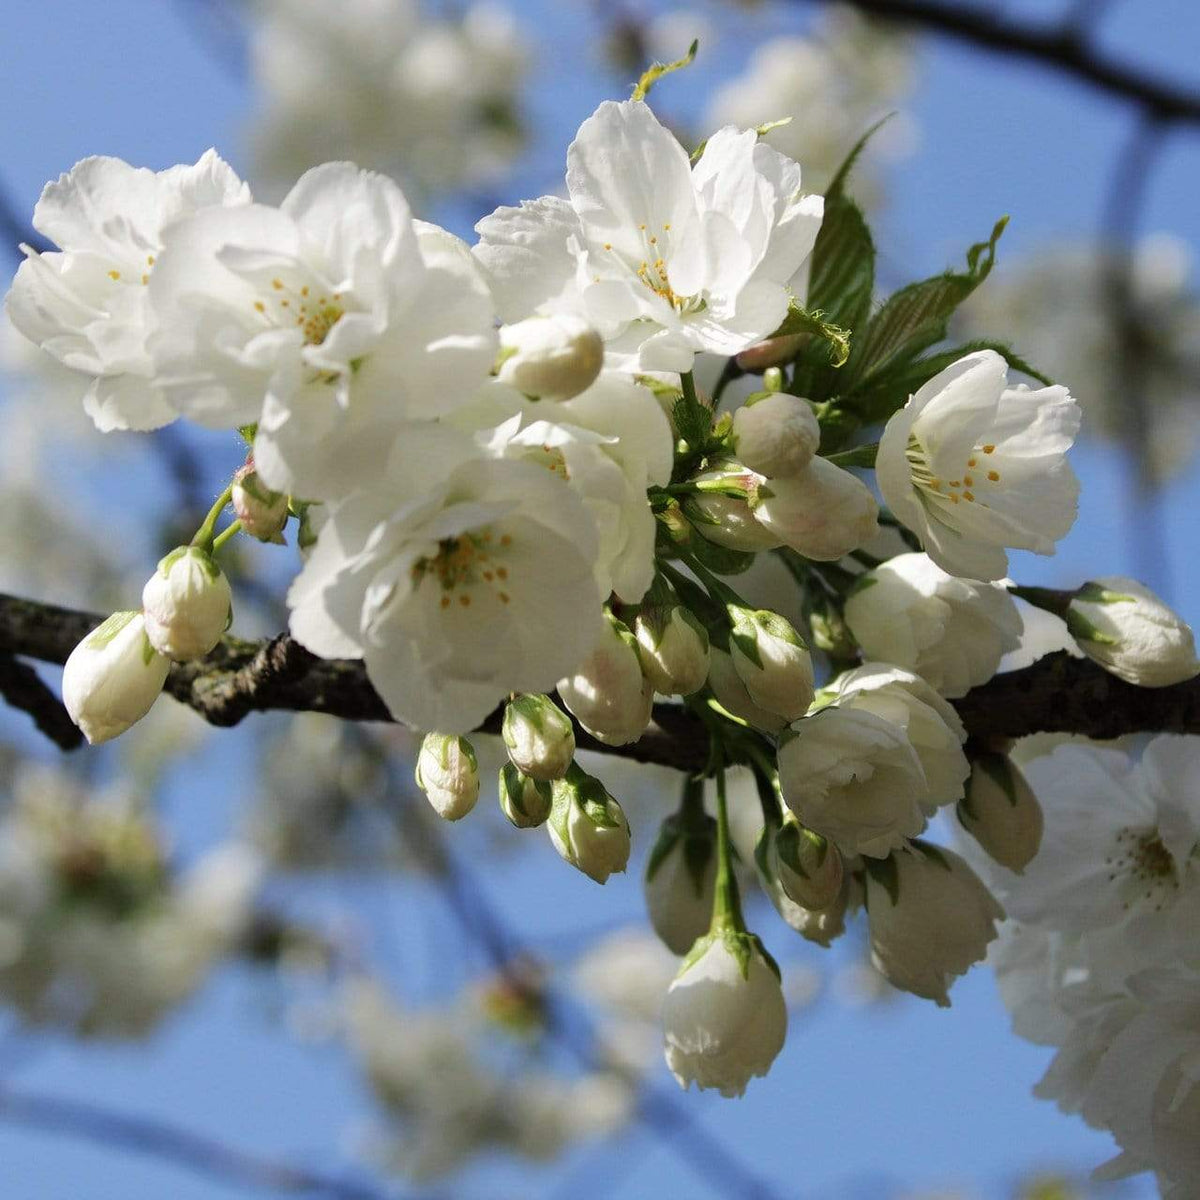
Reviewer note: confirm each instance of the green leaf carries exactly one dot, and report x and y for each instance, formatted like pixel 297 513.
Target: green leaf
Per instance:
pixel 838 182
pixel 915 317
pixel 657 70
pixel 886 390
pixel 842 278
pixel 805 320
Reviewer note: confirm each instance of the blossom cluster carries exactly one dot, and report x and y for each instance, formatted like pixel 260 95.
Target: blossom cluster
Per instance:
pixel 513 500
pixel 98 935
pixel 1099 958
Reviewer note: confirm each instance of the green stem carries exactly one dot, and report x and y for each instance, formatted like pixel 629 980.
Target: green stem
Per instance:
pixel 727 904
pixel 688 386
pixel 204 535
pixel 767 797
pixel 228 532
pixel 1050 599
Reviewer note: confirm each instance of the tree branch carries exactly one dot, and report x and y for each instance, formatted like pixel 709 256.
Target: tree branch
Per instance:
pixel 1058 694
pixel 1063 48
pixel 159 1140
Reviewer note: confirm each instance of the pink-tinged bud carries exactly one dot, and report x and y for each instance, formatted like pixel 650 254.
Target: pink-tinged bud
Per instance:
pixel 262 512
pixel 607 693
pixel 771 352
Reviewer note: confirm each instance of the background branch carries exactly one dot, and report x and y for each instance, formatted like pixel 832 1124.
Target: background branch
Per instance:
pixel 1057 694
pixel 1064 48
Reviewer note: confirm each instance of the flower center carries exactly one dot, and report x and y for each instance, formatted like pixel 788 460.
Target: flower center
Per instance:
pixel 1147 866
pixel 314 314
pixel 651 270
pixel 976 473
pixel 465 563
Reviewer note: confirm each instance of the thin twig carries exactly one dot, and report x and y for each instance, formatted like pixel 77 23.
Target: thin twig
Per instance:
pixel 157 1139
pixel 1060 48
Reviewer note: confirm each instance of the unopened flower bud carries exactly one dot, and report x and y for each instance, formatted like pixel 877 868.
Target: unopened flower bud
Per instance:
pixel 262 512
pixel 539 736
pixel 607 693
pixel 448 773
pixel 823 512
pixel 1130 632
pixel 818 925
pixel 729 520
pixel 554 357
pixel 680 879
pixel 772 662
pixel 525 801
pixel 770 352
pixel 1001 812
pixel 930 919
pixel 808 867
pixel 188 604
pixel 113 677
pixel 724 1018
pixel 731 694
pixel 775 433
pixel 673 648
pixel 588 827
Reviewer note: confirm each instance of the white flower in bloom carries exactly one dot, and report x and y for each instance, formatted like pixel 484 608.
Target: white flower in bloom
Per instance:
pixel 448 773
pixel 724 1018
pixel 607 693
pixel 87 304
pixel 187 603
pixel 930 723
pixel 665 260
pixel 112 678
pixel 432 102
pixel 553 357
pixel 681 876
pixel 973 466
pixel 1130 1064
pixel 1119 843
pixel 823 512
pixel 588 827
pixel 1001 812
pixel 1128 630
pixel 931 918
pixel 775 433
pixel 458 581
pixel 609 445
pixel 331 322
pixel 952 632
pixel 854 777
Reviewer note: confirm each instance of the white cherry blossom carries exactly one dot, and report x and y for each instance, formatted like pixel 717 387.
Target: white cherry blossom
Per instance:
pixel 974 466
pixel 88 303
pixel 952 632
pixel 664 259
pixel 460 580
pixel 331 322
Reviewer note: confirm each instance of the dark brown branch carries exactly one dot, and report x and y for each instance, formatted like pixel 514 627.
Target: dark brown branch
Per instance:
pixel 22 688
pixel 1064 49
pixel 1058 694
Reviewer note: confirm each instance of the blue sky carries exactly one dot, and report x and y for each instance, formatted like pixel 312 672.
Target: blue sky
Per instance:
pixel 861 1101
